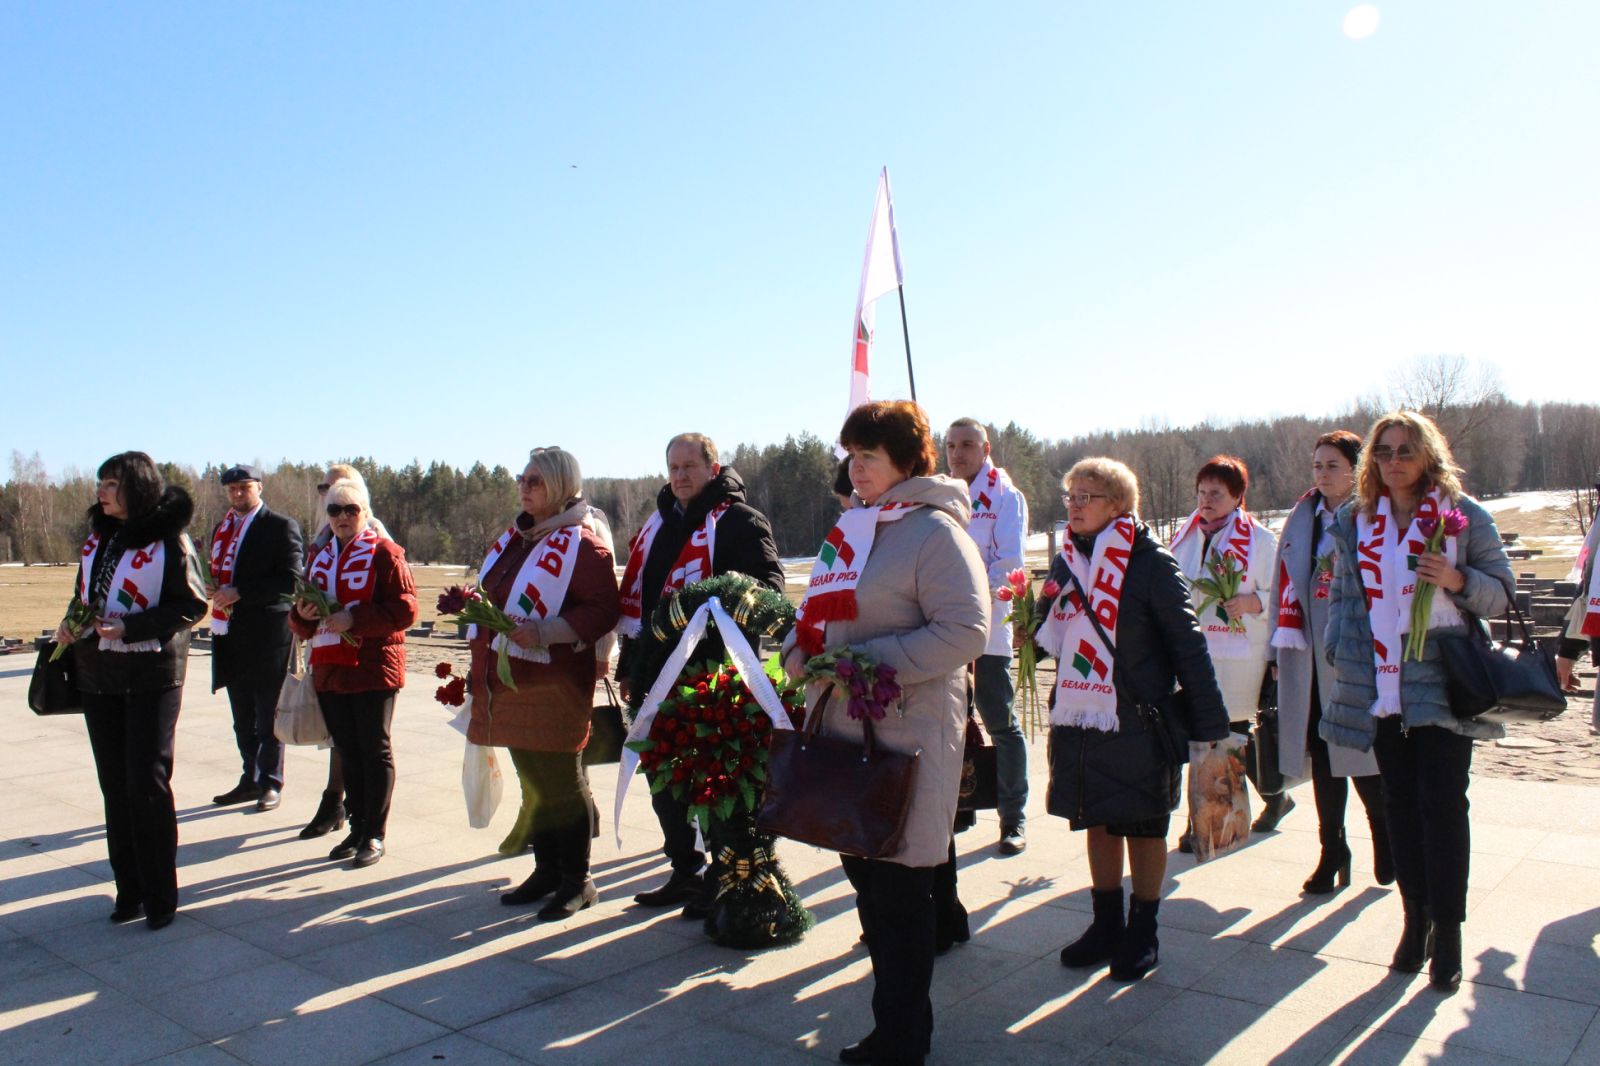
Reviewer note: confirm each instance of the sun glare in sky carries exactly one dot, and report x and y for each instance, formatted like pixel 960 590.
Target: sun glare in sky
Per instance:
pixel 1361 22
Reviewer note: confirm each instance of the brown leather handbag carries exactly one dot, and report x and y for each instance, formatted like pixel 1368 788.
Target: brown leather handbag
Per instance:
pixel 836 794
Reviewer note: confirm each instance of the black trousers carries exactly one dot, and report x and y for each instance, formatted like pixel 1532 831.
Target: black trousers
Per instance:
pixel 132 739
pixel 1425 774
pixel 677 833
pixel 1332 793
pixel 895 904
pixel 254 706
pixel 359 724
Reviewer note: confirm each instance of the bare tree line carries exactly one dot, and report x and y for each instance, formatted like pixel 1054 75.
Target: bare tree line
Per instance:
pixel 442 514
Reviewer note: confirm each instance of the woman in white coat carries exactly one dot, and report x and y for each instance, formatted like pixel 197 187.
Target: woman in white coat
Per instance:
pixel 1238 629
pixel 1305 683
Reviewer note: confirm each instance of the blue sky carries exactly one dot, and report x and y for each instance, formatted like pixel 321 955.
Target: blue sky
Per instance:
pixel 233 231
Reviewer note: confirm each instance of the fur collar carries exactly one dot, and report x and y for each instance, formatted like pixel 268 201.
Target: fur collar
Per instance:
pixel 168 518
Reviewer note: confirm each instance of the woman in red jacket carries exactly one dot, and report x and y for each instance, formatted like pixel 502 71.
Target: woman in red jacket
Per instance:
pixel 552 571
pixel 358 658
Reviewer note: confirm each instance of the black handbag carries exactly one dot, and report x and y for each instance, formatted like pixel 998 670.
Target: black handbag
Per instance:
pixel 980 776
pixel 1261 750
pixel 53 689
pixel 836 794
pixel 1503 682
pixel 607 730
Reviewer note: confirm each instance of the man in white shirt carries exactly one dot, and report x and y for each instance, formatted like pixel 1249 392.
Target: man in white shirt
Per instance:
pixel 999 526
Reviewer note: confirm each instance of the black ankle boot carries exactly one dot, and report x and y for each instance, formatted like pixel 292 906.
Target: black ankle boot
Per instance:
pixel 1334 866
pixel 1139 951
pixel 1444 972
pixel 1273 808
pixel 328 819
pixel 1416 939
pixel 1099 942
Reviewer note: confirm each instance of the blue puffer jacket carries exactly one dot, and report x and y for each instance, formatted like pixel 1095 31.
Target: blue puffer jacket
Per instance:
pixel 1482 558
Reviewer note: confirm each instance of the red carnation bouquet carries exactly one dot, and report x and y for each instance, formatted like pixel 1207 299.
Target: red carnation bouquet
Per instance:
pixel 469 606
pixel 708 742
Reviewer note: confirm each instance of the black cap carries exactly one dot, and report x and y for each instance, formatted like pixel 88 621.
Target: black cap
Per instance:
pixel 235 474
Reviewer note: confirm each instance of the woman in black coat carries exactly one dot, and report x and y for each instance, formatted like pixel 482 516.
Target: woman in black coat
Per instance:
pixel 140 575
pixel 1134 684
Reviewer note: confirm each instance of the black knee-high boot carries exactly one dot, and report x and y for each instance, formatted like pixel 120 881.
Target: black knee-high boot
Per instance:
pixel 576 890
pixel 1416 939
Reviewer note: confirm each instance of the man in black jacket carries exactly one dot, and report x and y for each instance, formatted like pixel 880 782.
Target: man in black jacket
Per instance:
pixel 702 528
pixel 255 555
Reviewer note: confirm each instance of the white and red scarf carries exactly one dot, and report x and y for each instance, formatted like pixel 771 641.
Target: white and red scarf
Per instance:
pixel 135 587
pixel 1234 540
pixel 988 489
pixel 348 576
pixel 1386 559
pixel 1086 694
pixel 1291 630
pixel 831 592
pixel 1591 594
pixel 693 564
pixel 225 541
pixel 540 588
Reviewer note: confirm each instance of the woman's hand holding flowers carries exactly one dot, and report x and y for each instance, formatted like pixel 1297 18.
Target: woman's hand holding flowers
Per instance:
pixel 526 635
pixel 1239 606
pixel 1435 569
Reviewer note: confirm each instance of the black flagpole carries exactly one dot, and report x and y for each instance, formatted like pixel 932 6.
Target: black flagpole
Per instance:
pixel 906 329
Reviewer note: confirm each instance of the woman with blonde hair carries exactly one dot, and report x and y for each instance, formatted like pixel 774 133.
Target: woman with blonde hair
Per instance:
pixel 1392 700
pixel 1133 685
pixel 358 658
pixel 330 814
pixel 551 570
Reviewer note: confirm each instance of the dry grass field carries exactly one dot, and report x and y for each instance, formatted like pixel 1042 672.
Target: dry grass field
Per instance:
pixel 33 598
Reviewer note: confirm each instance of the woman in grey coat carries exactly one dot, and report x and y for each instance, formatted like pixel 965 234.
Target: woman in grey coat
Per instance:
pixel 1300 591
pixel 921 605
pixel 1387 699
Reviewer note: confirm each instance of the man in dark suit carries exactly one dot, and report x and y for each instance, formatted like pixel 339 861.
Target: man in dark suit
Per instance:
pixel 255 555
pixel 702 527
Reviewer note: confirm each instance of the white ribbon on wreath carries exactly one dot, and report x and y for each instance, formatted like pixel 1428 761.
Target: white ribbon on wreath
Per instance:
pixel 745 660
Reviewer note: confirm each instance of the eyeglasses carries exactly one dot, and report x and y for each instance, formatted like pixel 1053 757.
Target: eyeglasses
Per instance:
pixel 1382 453
pixel 1081 499
pixel 349 510
pixel 1211 494
pixel 322 489
pixel 532 481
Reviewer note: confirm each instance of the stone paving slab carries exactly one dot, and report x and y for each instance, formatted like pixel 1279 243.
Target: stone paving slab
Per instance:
pixel 280 957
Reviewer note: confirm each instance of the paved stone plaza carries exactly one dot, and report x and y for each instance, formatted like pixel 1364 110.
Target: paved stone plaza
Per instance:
pixel 280 958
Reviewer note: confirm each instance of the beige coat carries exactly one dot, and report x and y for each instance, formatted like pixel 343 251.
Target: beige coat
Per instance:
pixel 923 608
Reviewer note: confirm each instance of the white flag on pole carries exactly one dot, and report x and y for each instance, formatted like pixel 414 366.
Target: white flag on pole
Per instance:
pixel 880 275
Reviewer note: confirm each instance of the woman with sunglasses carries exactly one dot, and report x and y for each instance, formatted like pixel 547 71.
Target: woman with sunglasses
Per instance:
pixel 358 658
pixel 330 814
pixel 1222 535
pixel 1126 642
pixel 1389 693
pixel 552 572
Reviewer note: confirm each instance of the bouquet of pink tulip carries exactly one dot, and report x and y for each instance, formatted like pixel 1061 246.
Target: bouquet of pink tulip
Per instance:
pixel 869 685
pixel 1434 531
pixel 468 605
pixel 1026 616
pixel 1227 577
